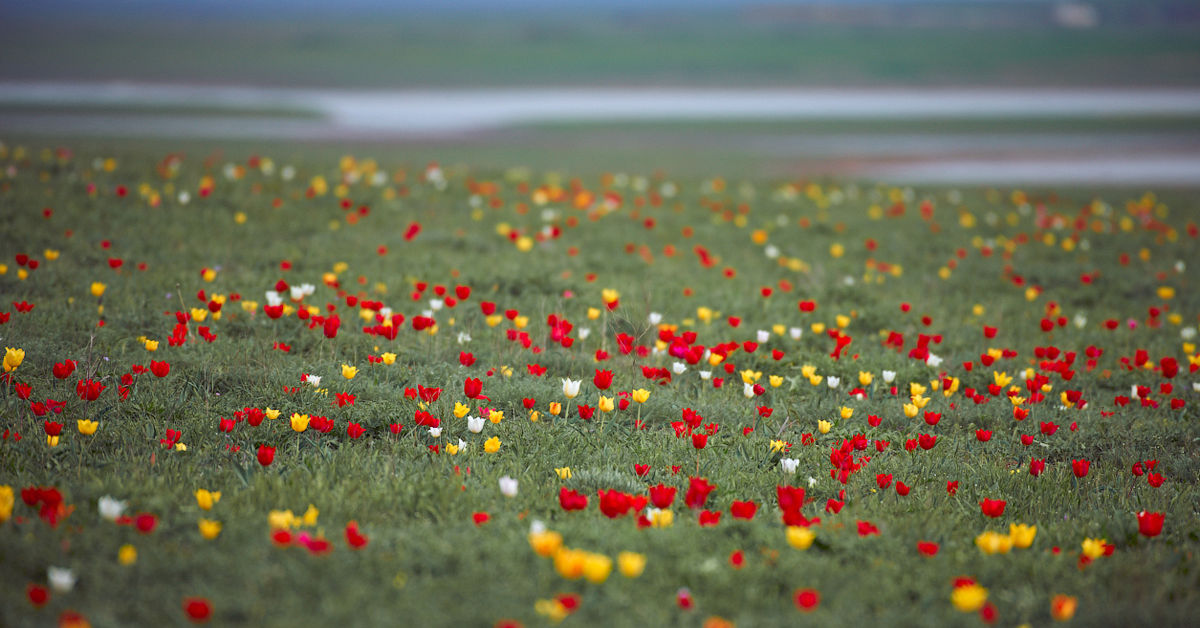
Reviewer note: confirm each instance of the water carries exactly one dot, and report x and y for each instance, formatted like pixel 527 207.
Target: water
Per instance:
pixel 126 109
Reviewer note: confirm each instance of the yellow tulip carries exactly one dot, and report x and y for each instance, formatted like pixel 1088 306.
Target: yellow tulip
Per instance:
pixel 151 345
pixel 847 412
pixel 915 389
pixel 310 516
pixel 775 380
pixel 597 567
pixel 593 313
pixel 492 445
pixel 52 441
pixel 1022 535
pixel 389 358
pixel 496 416
pixel 606 404
pixel 546 543
pixel 98 289
pixel 969 598
pixel 209 529
pixel 86 427
pixel 534 416
pixel 281 519
pixel 569 562
pixel 661 518
pixel 206 498
pixel 555 408
pixel 6 502
pixel 271 414
pixel 865 378
pixel 1062 607
pixel 1094 548
pixel 199 314
pixel 13 358
pixel 641 395
pixel 461 410
pixel 450 449
pixel 631 564
pixel 993 543
pixel 349 371
pixel 564 473
pixel 127 555
pixel 299 421
pixel 824 426
pixel 800 537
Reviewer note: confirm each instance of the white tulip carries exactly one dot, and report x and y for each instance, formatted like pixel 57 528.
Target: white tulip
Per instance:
pixel 571 387
pixel 832 381
pixel 748 390
pixel 795 333
pixel 61 579
pixel 435 432
pixel 584 332
pixel 475 424
pixel 508 486
pixel 763 336
pixel 889 376
pixel 705 374
pixel 679 368
pixel 789 464
pixel 655 318
pixel 111 508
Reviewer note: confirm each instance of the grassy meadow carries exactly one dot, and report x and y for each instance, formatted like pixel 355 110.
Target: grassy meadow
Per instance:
pixel 366 358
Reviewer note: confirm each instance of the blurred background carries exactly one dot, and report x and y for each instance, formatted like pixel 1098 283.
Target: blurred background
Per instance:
pixel 964 91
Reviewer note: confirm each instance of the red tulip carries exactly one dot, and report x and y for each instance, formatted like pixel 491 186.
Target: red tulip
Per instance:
pixel 698 492
pixel 709 518
pixel 1036 467
pixel 266 455
pixel 38 595
pixel 145 522
pixel 603 379
pixel 699 440
pixel 614 503
pixel 902 489
pixel 472 388
pixel 1150 524
pixel 63 370
pixel 354 538
pixel 807 600
pixel 160 369
pixel 662 496
pixel 743 510
pixel 354 430
pixel 983 436
pixel 571 500
pixel 1080 467
pixel 992 507
pixel 198 609
pixel 927 548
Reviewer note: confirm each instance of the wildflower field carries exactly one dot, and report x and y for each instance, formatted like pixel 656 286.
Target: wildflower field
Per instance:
pixel 258 390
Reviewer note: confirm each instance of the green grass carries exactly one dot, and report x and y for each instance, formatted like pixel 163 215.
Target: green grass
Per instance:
pixel 427 562
pixel 562 48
